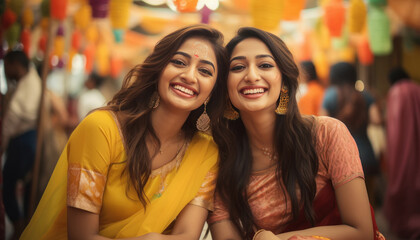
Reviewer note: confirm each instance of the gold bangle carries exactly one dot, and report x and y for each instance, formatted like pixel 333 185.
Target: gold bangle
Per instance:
pixel 319 237
pixel 256 234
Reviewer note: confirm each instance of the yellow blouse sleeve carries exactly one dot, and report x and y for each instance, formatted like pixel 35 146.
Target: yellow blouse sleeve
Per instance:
pixel 89 156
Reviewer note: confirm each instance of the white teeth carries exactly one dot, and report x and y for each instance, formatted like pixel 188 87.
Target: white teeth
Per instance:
pixel 184 90
pixel 253 91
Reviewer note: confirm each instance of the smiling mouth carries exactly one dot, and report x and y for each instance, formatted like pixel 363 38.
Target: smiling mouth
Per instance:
pixel 184 90
pixel 250 91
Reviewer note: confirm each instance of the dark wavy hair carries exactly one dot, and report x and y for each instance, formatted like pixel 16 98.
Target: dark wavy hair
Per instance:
pixel 294 143
pixel 138 86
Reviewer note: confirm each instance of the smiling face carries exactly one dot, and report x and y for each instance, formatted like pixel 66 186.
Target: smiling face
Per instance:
pixel 254 79
pixel 189 77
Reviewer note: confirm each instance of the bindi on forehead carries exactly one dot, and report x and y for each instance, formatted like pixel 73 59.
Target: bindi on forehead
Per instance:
pixel 200 50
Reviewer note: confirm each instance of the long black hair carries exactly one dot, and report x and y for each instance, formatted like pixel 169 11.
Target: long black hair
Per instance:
pixel 294 143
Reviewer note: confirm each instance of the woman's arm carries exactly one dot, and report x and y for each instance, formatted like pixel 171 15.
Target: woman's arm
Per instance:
pixel 83 225
pixel 224 230
pixel 355 213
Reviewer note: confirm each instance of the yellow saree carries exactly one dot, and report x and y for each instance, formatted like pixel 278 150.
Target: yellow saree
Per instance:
pixel 88 176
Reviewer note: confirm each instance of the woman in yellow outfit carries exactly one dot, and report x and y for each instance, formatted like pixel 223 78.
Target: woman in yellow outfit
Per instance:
pixel 138 168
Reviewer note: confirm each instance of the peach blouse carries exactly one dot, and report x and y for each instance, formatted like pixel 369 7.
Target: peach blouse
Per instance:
pixel 339 162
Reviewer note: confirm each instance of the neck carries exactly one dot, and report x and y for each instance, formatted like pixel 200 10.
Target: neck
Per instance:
pixel 260 127
pixel 166 123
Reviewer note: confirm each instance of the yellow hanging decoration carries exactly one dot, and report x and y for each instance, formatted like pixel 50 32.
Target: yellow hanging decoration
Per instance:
pixel 119 14
pixel 357 16
pixel 83 16
pixel 27 18
pixel 267 14
pixel 102 59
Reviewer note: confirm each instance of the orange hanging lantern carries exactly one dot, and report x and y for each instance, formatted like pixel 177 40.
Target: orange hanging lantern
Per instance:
pixel 120 11
pixel 89 53
pixel 267 14
pixel 294 7
pixel 42 44
pixel 186 5
pixel 76 39
pixel 58 9
pixel 334 16
pixel 91 34
pixel 364 53
pixel 25 39
pixel 322 66
pixel 357 16
pixel 83 17
pixel 27 18
pixel 116 66
pixel 102 59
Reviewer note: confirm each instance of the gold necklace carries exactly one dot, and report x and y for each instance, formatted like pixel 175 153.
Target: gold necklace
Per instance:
pixel 268 152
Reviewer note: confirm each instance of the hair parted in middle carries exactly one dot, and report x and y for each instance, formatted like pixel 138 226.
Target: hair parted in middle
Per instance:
pixel 141 83
pixel 294 142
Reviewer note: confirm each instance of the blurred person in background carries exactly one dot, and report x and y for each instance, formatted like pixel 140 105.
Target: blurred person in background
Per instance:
pixel 19 133
pixel 401 206
pixel 356 110
pixel 91 97
pixel 310 102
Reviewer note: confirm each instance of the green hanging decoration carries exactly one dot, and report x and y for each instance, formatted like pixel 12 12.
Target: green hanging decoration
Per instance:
pixel 12 35
pixel 45 8
pixel 378 2
pixel 16 6
pixel 379 31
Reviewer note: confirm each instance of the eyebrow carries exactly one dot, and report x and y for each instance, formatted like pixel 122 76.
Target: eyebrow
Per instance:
pixel 201 60
pixel 258 56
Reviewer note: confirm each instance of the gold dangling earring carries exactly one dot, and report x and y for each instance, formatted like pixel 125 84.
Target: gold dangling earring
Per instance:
pixel 230 113
pixel 203 122
pixel 154 100
pixel 284 100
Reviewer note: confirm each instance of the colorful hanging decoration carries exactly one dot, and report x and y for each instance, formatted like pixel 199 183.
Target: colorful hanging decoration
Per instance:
pixel 294 8
pixel 99 8
pixel 102 59
pixel 27 18
pixel 76 38
pixel 119 14
pixel 379 30
pixel 357 16
pixel 59 45
pixel 364 53
pixel 334 16
pixel 205 15
pixel 45 8
pixel 25 39
pixel 91 34
pixel 42 44
pixel 16 6
pixel 185 5
pixel 83 17
pixel 322 66
pixel 116 66
pixel 8 18
pixel 377 2
pixel 12 35
pixel 323 37
pixel 58 9
pixel 89 54
pixel 267 14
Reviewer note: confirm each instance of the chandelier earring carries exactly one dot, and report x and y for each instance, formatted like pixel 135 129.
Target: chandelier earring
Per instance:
pixel 154 100
pixel 230 113
pixel 203 122
pixel 284 101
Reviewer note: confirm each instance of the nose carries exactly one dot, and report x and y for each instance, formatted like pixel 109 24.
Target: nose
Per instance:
pixel 189 75
pixel 252 74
